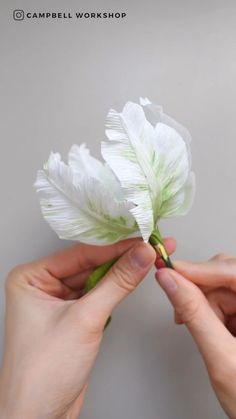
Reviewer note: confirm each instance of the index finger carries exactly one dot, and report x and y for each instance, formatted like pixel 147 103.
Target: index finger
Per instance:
pixel 213 273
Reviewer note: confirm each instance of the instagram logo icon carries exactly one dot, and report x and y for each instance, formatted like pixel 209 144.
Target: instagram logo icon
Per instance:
pixel 18 14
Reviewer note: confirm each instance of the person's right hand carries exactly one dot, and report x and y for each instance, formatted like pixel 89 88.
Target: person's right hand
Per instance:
pixel 204 298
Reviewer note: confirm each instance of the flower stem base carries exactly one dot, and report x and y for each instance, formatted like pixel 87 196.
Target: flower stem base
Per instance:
pixel 156 241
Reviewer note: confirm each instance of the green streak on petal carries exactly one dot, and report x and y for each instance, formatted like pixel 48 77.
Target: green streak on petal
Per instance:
pixel 153 157
pixel 130 155
pixel 115 227
pixel 143 187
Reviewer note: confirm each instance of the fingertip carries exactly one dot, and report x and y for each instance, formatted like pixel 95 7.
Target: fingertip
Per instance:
pixel 170 244
pixel 162 272
pixel 124 245
pixel 151 251
pixel 142 255
pixel 167 281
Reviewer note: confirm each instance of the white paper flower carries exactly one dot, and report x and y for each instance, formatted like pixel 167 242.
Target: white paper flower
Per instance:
pixel 147 177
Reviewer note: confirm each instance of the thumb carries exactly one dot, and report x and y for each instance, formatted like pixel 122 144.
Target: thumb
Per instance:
pixel 210 334
pixel 122 278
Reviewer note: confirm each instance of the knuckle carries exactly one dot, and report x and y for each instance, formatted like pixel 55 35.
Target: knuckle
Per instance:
pixel 122 277
pixel 227 266
pixel 92 324
pixel 89 319
pixel 219 256
pixel 188 311
pixel 13 276
pixel 230 269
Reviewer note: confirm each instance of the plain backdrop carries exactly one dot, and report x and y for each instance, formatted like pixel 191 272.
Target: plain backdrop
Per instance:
pixel 58 80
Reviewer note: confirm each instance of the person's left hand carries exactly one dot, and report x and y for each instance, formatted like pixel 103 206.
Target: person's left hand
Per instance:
pixel 53 331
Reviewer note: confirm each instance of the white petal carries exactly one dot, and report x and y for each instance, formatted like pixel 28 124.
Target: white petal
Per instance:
pixel 154 114
pixel 181 202
pixel 82 163
pixel 82 211
pixel 144 101
pixel 130 155
pixel 171 160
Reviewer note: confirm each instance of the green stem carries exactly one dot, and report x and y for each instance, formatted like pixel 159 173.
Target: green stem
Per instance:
pixel 156 241
pixel 96 276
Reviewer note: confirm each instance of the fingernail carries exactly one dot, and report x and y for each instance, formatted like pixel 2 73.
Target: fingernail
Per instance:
pixel 141 256
pixel 167 282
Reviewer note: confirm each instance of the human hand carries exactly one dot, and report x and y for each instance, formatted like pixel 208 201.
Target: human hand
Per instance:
pixel 206 303
pixel 53 331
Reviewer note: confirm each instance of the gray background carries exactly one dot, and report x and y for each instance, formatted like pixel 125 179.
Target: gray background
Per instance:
pixel 58 80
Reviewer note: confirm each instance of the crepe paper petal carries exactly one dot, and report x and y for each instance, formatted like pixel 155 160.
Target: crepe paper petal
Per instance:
pixel 82 163
pixel 130 154
pixel 171 160
pixel 181 202
pixel 154 114
pixel 82 210
pixel 150 161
